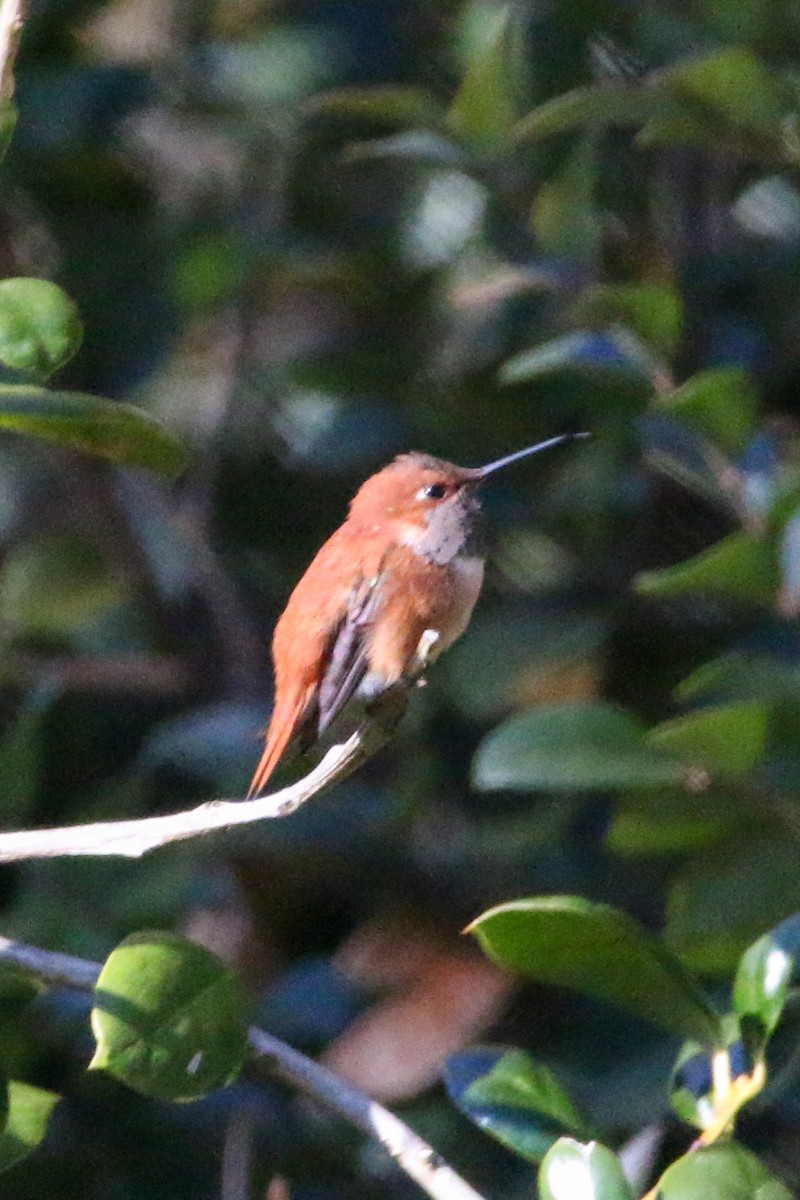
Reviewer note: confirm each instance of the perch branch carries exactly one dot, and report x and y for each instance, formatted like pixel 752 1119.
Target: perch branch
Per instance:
pixel 414 1156
pixel 132 839
pixel 135 838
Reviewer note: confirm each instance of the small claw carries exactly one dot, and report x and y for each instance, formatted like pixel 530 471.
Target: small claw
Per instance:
pixel 422 654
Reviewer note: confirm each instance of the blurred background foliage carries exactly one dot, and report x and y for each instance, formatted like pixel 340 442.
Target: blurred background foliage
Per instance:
pixel 308 236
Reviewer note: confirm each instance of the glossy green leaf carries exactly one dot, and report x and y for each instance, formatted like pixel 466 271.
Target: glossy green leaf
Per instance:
pixel 484 109
pixel 722 1172
pixel 582 1171
pixel 614 103
pixel 29 1110
pixel 765 972
pixel 721 403
pixel 724 898
pixel 740 567
pixel 726 739
pixel 571 746
pixel 112 430
pixel 598 950
pixel 513 1098
pixel 518 1081
pixel 39 326
pixel 169 1017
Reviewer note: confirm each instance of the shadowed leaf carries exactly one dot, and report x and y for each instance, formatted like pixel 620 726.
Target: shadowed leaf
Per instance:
pixel 117 431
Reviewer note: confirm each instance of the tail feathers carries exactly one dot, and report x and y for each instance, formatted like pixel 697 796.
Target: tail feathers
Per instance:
pixel 287 720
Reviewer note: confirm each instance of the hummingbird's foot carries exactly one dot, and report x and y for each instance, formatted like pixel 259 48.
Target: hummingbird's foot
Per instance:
pixel 423 655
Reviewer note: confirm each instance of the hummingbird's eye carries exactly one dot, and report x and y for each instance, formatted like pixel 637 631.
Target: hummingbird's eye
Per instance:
pixel 435 491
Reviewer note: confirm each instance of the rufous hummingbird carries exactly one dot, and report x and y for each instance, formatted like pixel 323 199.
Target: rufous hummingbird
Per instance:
pixel 407 563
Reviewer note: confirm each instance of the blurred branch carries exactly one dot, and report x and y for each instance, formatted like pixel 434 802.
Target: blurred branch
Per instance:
pixel 414 1156
pixel 11 17
pixel 132 839
pixel 164 676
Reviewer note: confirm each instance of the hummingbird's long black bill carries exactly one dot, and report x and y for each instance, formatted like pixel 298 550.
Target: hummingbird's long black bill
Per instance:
pixel 498 464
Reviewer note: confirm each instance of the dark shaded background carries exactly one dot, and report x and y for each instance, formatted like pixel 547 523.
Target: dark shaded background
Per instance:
pixel 303 287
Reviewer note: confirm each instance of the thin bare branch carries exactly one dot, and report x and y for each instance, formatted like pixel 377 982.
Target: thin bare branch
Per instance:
pixel 414 1156
pixel 133 839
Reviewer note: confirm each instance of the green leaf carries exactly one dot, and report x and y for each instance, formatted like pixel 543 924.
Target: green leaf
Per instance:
pixel 8 123
pixel 740 567
pixel 39 326
pixel 598 950
pixel 54 585
pixel 513 1098
pixel 724 899
pixel 726 739
pixel 517 1081
pixel 723 1172
pixel 652 310
pixel 484 109
pixel 564 217
pixel 18 988
pixel 29 1110
pixel 734 86
pixel 721 403
pixel 20 758
pixel 743 675
pixel 572 746
pixel 582 1171
pixel 112 430
pixel 169 1018
pixel 615 103
pixel 766 971
pixel 588 354
pixel 656 822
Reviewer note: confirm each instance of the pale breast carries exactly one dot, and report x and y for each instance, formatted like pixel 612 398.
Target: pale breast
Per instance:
pixel 467 579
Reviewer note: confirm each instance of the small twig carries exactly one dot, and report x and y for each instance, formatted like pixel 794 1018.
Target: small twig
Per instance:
pixel 11 17
pixel 414 1156
pixel 133 839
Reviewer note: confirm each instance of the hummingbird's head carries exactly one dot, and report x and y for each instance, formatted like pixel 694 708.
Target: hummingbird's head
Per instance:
pixel 412 488
pixel 415 486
